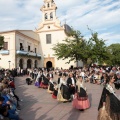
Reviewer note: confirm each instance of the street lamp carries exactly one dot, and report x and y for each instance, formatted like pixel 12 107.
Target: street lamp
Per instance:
pixel 9 64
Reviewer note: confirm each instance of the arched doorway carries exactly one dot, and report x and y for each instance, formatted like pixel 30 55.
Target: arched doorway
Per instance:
pixel 35 64
pixel 29 63
pixel 49 64
pixel 21 63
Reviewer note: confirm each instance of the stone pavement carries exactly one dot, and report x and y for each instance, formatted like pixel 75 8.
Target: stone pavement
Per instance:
pixel 39 105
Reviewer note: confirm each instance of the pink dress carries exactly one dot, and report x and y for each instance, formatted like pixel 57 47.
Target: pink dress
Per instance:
pixel 81 100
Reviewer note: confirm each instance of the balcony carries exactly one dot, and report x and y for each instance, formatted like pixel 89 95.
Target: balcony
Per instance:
pixel 4 52
pixel 38 55
pixel 21 52
pixel 32 54
pixel 27 54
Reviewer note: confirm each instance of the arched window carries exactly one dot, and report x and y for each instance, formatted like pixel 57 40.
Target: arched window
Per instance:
pixel 46 17
pixel 51 15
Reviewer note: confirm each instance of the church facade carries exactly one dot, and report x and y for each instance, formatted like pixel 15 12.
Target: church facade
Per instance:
pixel 34 48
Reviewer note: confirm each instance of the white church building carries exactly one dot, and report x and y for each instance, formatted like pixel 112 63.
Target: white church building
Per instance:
pixel 29 49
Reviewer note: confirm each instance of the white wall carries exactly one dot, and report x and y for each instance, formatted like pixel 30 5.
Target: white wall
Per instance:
pixel 10 38
pixel 27 41
pixel 56 36
pixel 14 39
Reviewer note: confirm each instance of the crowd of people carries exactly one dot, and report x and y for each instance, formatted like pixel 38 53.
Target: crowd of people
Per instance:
pixel 9 100
pixel 70 87
pixel 66 89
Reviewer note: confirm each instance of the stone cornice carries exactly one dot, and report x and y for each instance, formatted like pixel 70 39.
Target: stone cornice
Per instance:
pixel 42 26
pixel 62 29
pixel 47 9
pixel 19 33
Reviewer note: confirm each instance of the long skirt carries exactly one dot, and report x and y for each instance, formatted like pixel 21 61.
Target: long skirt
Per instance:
pixel 107 113
pixel 50 88
pixel 60 97
pixel 81 100
pixel 54 95
pixel 42 85
pixel 37 84
pixel 63 93
pixel 38 81
pixel 81 104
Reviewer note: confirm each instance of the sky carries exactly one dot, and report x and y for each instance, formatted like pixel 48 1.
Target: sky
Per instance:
pixel 102 16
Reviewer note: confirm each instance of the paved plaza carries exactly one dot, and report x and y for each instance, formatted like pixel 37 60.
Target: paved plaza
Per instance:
pixel 39 105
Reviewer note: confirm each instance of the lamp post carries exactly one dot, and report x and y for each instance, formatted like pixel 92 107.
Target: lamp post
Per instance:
pixel 9 64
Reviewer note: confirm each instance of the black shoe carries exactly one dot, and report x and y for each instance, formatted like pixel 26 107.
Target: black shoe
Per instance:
pixel 81 109
pixel 70 101
pixel 64 101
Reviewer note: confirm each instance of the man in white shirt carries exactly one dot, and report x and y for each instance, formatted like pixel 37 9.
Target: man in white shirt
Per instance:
pixel 83 75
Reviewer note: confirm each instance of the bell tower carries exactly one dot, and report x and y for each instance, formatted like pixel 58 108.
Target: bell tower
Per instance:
pixel 48 11
pixel 49 20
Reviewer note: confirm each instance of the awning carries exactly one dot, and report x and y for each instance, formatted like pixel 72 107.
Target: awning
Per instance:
pixel 4 52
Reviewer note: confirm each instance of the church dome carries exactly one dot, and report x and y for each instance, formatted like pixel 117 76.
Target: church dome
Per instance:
pixel 68 29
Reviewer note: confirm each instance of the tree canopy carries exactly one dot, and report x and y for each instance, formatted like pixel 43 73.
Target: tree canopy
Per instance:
pixel 76 48
pixel 98 51
pixel 114 50
pixel 70 48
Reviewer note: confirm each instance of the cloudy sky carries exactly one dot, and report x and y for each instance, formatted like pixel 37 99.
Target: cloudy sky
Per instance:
pixel 102 16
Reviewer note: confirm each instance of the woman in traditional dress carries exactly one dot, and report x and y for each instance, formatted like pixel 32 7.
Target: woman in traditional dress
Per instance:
pixel 55 92
pixel 38 79
pixel 109 106
pixel 44 81
pixel 80 100
pixel 51 86
pixel 63 90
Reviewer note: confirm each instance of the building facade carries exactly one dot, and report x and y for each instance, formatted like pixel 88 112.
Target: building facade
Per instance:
pixel 50 33
pixel 28 49
pixel 20 49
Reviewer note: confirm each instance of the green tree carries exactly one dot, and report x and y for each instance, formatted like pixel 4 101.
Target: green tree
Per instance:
pixel 115 53
pixel 71 48
pixel 98 51
pixel 1 42
pixel 77 48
